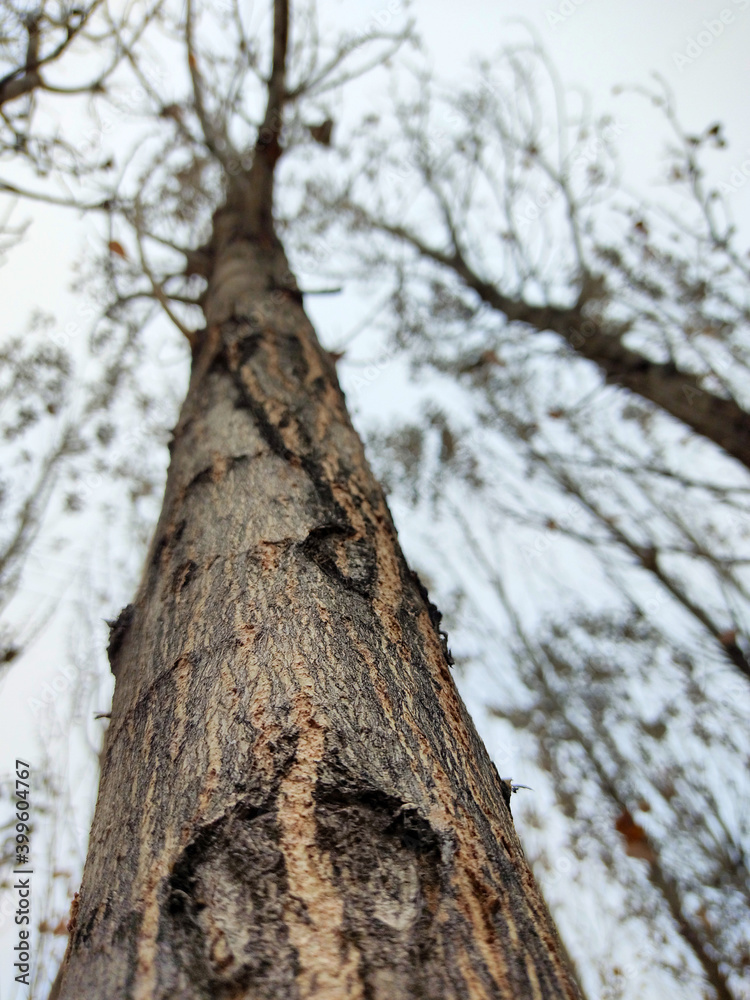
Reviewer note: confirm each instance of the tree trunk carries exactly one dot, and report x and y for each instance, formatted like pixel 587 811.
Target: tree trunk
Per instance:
pixel 293 801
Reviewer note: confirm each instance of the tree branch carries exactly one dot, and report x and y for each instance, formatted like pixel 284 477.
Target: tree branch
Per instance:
pixel 677 392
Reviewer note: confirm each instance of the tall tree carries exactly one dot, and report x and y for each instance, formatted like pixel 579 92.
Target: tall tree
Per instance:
pixel 293 801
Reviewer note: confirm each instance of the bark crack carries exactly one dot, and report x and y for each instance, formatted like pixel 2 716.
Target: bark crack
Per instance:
pixel 269 432
pixel 118 628
pixel 343 557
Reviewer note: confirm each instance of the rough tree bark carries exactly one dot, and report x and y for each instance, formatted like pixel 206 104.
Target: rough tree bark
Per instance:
pixel 293 801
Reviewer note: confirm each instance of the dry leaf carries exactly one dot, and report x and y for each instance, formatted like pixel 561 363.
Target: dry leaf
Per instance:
pixel 171 111
pixel 636 841
pixel 322 133
pixel 640 849
pixel 115 247
pixel 489 357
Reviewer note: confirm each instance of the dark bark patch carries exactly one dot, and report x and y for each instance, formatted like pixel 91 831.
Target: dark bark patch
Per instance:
pixel 321 485
pixel 347 561
pixel 82 931
pixel 389 868
pixel 223 915
pixel 204 476
pixel 247 348
pixel 157 553
pixel 118 628
pixel 286 291
pixel 294 356
pixel 267 429
pixel 436 618
pixel 183 575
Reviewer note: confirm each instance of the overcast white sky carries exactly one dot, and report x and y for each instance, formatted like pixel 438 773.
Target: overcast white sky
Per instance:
pixel 595 44
pixel 602 43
